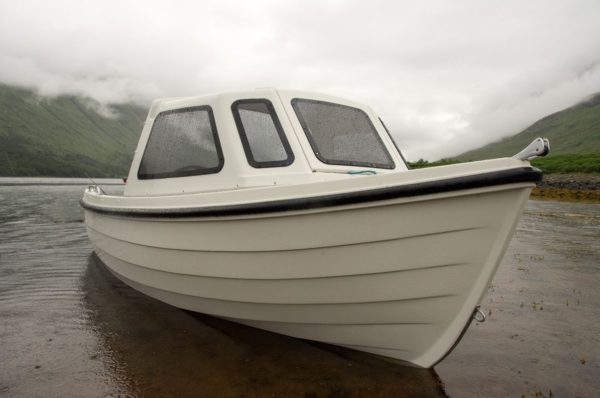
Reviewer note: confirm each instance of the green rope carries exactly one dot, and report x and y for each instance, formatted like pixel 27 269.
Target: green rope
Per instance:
pixel 362 172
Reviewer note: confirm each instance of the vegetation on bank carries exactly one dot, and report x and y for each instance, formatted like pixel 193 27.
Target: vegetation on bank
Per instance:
pixel 566 195
pixel 565 163
pixel 569 177
pixel 569 163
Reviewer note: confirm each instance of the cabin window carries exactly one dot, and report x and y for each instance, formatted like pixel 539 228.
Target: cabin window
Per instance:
pixel 261 133
pixel 341 135
pixel 182 142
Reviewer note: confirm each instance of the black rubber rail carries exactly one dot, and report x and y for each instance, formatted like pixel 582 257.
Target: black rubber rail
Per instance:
pixel 502 177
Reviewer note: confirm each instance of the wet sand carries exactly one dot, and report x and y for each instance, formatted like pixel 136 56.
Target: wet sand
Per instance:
pixel 69 328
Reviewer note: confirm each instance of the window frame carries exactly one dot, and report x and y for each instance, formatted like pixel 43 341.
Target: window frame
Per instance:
pixel 244 137
pixel 390 166
pixel 394 142
pixel 185 173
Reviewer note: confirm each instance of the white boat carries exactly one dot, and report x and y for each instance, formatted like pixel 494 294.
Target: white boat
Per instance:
pixel 296 213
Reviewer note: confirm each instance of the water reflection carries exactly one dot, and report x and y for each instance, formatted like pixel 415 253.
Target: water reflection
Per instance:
pixel 159 350
pixel 46 345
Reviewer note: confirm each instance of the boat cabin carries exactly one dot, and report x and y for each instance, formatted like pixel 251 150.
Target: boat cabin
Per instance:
pixel 255 139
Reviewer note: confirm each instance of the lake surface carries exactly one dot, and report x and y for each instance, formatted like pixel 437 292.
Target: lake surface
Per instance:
pixel 69 328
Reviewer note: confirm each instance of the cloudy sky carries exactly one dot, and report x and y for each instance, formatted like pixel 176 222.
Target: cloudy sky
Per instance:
pixel 446 76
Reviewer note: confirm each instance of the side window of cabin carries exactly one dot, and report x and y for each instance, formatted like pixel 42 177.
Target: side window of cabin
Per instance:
pixel 182 142
pixel 341 135
pixel 262 136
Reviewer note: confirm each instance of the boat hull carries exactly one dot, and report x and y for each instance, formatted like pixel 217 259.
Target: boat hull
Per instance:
pixel 398 277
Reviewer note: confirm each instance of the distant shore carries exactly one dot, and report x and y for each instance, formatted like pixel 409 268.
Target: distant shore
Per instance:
pixel 22 181
pixel 570 187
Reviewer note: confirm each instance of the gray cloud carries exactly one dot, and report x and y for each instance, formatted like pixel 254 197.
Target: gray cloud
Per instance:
pixel 445 76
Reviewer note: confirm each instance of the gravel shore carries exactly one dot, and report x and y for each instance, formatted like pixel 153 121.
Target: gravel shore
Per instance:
pixel 580 181
pixel 572 187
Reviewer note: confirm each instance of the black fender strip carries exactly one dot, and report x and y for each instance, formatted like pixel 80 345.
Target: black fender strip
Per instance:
pixel 502 177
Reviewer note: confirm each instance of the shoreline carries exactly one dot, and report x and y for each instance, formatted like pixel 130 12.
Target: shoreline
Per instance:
pixel 570 187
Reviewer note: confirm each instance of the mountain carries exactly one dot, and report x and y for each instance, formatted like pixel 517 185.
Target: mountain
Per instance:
pixel 575 130
pixel 65 136
pixel 70 136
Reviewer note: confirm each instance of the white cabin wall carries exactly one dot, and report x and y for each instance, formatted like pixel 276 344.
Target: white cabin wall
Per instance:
pixel 237 173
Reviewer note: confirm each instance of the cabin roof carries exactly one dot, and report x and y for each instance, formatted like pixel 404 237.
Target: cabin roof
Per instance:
pixel 162 104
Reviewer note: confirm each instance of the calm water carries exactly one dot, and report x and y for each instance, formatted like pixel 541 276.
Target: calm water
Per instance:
pixel 68 328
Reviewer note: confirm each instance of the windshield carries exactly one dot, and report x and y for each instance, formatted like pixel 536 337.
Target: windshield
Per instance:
pixel 341 135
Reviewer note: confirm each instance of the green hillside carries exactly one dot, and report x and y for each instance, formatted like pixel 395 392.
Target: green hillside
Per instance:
pixel 65 136
pixel 70 136
pixel 575 130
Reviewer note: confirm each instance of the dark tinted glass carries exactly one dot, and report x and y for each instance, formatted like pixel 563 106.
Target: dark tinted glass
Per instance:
pixel 182 142
pixel 341 134
pixel 261 133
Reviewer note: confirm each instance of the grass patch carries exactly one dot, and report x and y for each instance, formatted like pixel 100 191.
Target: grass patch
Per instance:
pixel 565 163
pixel 569 163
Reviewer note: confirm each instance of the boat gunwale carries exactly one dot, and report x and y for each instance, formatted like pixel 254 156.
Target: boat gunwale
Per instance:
pixel 452 184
